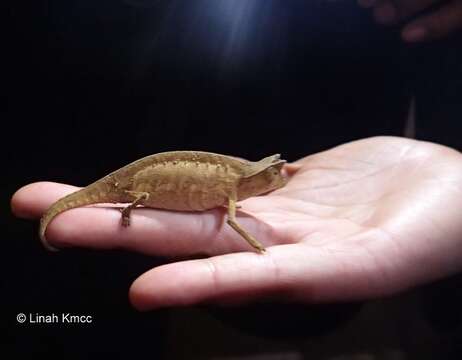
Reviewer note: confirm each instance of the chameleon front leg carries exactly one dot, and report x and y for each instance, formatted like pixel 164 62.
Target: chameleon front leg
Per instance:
pixel 238 228
pixel 139 198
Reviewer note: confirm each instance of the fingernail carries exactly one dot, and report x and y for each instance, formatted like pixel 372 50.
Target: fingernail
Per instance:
pixel 367 3
pixel 414 34
pixel 385 14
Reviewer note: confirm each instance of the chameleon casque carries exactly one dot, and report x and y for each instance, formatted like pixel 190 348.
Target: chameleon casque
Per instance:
pixel 181 181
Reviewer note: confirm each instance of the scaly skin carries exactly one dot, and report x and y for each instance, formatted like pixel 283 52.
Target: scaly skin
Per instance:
pixel 178 180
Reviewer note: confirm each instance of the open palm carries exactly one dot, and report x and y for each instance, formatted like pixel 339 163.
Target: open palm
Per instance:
pixel 364 219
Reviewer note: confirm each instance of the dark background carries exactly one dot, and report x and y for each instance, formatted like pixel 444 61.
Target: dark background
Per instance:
pixel 93 85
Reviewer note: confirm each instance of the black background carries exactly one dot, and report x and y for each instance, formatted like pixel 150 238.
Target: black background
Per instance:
pixel 93 85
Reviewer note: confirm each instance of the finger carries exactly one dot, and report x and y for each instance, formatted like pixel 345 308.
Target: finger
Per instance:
pixel 151 231
pixel 31 201
pixel 407 8
pixel 438 24
pixel 385 12
pixel 224 279
pixel 389 12
pixel 294 272
pixel 291 169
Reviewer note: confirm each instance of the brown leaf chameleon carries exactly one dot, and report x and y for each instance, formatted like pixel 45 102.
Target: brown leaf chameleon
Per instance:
pixel 182 181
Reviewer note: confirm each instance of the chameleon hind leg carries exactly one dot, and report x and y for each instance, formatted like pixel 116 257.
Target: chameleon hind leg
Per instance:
pixel 139 198
pixel 239 229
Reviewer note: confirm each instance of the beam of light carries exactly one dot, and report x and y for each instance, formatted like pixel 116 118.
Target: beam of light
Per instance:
pixel 226 32
pixel 238 18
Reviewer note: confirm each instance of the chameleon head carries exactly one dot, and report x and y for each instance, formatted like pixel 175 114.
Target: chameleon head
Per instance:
pixel 265 176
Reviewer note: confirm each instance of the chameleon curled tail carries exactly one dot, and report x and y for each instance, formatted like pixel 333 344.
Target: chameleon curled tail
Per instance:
pixel 217 180
pixel 86 196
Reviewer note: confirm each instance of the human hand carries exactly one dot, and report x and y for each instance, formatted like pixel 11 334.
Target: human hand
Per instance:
pixel 442 21
pixel 365 219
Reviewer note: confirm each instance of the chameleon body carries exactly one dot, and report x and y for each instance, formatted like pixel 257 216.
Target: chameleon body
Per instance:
pixel 178 180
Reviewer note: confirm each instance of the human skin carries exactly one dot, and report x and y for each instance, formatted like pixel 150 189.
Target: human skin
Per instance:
pixel 437 23
pixel 366 219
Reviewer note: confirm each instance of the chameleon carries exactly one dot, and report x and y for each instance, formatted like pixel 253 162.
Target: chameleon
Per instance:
pixel 178 181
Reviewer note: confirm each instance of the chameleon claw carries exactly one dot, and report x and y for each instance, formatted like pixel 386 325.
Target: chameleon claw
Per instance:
pixel 125 218
pixel 125 221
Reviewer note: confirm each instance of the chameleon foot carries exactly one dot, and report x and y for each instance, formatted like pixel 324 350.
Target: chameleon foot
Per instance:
pixel 240 230
pixel 139 198
pixel 125 218
pixel 249 238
